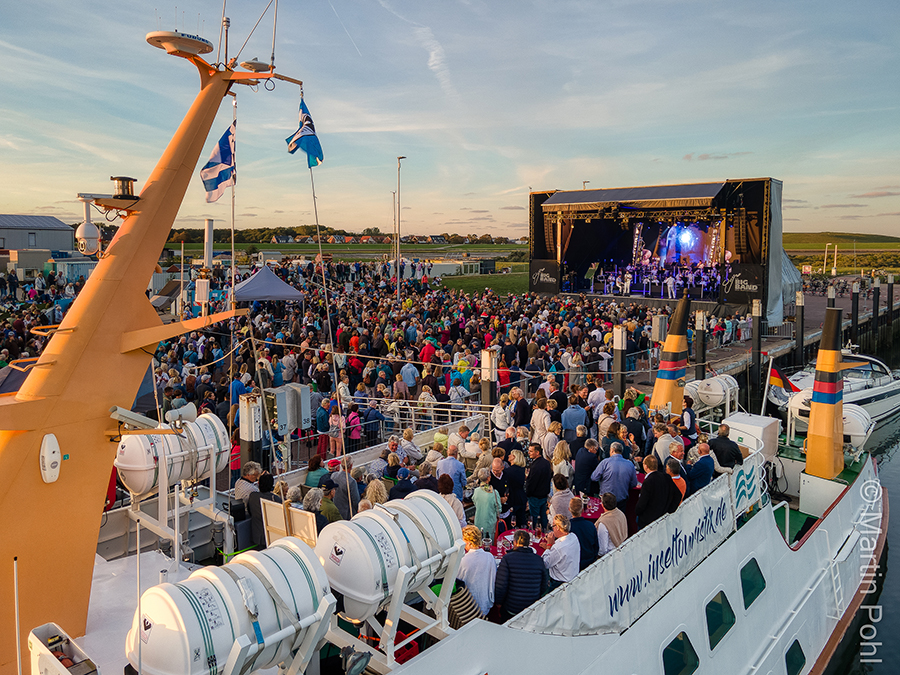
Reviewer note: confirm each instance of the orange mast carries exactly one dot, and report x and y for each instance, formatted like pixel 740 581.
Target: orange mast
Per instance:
pixel 95 360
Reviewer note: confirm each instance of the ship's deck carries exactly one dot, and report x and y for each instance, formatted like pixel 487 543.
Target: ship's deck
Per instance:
pixel 794 451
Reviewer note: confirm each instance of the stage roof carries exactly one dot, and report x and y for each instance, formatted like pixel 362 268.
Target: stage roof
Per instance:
pixel 654 196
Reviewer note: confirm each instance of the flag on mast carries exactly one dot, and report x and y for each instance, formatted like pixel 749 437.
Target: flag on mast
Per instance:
pixel 219 173
pixel 305 138
pixel 776 379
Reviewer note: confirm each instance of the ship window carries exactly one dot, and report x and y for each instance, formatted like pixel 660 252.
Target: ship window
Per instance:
pixel 679 657
pixel 719 618
pixel 752 582
pixel 794 659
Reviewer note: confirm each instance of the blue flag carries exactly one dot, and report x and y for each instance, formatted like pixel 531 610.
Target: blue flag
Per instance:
pixel 218 173
pixel 305 138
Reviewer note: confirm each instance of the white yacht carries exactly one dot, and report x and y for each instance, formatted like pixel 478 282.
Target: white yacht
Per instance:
pixel 869 383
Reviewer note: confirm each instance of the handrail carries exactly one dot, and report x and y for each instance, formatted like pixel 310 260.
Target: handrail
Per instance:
pixel 31 361
pixel 787 518
pixel 45 331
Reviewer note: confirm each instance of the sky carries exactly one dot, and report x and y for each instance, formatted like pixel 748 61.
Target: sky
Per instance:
pixel 487 100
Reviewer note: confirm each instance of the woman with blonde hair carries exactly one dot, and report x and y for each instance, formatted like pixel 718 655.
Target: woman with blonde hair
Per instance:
pixel 478 569
pixel 551 438
pixel 484 455
pixel 487 503
pixel 562 462
pixel 376 492
pixel 426 405
pixel 393 465
pixel 409 447
pixel 540 420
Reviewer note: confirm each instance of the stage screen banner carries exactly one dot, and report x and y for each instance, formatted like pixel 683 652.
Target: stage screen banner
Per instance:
pixel 544 276
pixel 613 593
pixel 745 284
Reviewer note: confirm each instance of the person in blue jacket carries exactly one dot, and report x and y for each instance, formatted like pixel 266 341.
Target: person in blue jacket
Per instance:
pixel 700 473
pixel 521 577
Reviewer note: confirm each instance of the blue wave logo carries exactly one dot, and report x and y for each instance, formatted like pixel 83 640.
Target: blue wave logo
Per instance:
pixel 744 487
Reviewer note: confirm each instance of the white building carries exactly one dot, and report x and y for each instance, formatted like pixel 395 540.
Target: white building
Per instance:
pixel 46 232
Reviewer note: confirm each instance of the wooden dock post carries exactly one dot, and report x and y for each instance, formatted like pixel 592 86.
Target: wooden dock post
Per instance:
pixel 890 306
pixel 620 343
pixel 755 357
pixel 875 324
pixel 854 314
pixel 700 346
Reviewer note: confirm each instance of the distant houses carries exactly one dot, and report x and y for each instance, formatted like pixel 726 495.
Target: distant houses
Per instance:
pixel 383 239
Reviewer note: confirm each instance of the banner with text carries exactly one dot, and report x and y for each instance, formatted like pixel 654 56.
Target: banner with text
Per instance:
pixel 614 592
pixel 544 276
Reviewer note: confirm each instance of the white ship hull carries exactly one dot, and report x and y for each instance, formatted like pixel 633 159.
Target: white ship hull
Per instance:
pixel 812 591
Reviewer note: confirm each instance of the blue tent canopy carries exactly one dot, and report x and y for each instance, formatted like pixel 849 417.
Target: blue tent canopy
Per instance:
pixel 265 285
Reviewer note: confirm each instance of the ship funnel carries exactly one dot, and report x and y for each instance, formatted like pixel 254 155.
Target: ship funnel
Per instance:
pixel 669 387
pixel 825 440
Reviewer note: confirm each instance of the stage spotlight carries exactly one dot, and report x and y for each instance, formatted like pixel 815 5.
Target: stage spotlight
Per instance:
pixel 685 237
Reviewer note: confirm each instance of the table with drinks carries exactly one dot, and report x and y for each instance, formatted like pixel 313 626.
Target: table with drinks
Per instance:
pixel 504 543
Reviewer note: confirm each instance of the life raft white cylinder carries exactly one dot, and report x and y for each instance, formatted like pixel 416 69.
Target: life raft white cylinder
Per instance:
pixel 363 556
pixel 188 454
pixel 714 391
pixel 189 628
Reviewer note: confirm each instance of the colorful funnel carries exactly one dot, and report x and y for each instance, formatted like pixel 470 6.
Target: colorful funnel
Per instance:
pixel 669 387
pixel 825 440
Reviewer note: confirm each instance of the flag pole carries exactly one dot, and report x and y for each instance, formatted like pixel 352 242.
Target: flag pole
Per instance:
pixel 312 184
pixel 234 160
pixel 768 384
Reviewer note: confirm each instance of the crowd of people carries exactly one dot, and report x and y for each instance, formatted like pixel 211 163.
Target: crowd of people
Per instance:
pixel 641 466
pixel 559 437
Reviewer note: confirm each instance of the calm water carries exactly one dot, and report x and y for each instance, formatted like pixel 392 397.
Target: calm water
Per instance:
pixel 886 448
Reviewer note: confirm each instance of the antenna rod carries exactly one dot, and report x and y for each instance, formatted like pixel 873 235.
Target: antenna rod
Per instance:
pixel 274 26
pixel 18 634
pixel 140 615
pixel 226 23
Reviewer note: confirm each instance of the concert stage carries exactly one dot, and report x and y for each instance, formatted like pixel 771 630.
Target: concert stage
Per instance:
pixel 718 240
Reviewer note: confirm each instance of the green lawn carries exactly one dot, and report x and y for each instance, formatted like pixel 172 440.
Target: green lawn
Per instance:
pixel 504 284
pixel 819 239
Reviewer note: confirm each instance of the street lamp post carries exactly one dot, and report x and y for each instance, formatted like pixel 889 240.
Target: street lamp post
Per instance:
pixel 584 184
pixel 825 261
pixel 394 223
pixel 397 268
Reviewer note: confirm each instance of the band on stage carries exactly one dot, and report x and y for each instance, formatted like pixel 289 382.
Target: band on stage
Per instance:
pixel 652 278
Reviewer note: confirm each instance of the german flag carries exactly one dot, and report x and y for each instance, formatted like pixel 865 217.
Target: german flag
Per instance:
pixel 776 379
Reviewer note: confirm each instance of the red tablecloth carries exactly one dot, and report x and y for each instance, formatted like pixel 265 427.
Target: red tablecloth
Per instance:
pixel 594 509
pixel 507 537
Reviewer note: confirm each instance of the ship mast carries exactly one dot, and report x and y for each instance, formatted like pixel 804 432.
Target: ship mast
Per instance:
pixel 94 360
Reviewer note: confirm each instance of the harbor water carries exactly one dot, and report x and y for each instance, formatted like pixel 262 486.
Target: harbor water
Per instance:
pixel 875 648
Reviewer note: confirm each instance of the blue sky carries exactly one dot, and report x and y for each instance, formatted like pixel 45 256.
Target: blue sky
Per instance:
pixel 486 99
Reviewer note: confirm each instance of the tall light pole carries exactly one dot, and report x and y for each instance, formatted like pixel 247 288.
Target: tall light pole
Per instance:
pixel 394 222
pixel 825 261
pixel 584 184
pixel 397 268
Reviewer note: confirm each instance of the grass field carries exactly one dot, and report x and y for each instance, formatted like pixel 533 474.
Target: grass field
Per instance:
pixel 815 238
pixel 503 284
